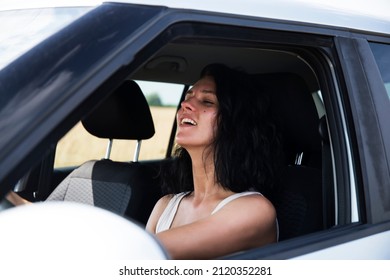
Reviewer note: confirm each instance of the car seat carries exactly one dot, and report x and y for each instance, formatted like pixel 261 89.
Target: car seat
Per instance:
pixel 127 188
pixel 298 195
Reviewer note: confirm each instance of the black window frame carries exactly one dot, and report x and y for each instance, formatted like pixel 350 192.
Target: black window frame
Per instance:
pixel 370 111
pixel 320 46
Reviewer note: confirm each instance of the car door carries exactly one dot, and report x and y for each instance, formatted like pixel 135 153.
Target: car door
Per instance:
pixel 77 67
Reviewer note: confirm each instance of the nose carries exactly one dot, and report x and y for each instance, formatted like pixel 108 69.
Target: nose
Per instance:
pixel 187 105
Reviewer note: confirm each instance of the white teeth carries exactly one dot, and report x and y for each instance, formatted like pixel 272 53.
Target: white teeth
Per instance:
pixel 188 121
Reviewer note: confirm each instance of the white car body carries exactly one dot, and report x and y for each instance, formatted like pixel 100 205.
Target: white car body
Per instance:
pixel 313 16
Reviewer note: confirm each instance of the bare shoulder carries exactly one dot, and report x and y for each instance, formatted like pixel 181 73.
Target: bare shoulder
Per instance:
pixel 252 200
pixel 158 209
pixel 163 201
pixel 252 218
pixel 261 210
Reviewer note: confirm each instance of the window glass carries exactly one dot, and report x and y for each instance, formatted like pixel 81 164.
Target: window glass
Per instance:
pixel 318 101
pixel 24 28
pixel 78 146
pixel 382 56
pixel 163 99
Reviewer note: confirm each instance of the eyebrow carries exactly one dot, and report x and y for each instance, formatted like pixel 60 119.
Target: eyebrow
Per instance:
pixel 205 91
pixel 208 91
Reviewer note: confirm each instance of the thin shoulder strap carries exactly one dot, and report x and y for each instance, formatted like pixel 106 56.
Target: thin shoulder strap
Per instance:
pixel 232 197
pixel 167 216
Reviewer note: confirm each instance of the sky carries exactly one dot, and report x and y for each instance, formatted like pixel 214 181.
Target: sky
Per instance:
pixel 169 93
pixel 380 8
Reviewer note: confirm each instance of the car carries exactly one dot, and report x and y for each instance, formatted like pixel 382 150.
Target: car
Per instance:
pixel 326 68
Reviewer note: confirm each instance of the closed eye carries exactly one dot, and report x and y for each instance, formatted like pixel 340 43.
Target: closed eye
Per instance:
pixel 187 95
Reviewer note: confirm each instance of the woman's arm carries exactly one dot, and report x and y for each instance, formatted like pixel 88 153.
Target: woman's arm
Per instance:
pixel 244 223
pixel 16 199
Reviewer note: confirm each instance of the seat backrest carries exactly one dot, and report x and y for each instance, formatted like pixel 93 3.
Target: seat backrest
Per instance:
pixel 126 188
pixel 298 195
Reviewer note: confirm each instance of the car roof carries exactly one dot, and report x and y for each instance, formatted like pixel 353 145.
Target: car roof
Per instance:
pixel 354 14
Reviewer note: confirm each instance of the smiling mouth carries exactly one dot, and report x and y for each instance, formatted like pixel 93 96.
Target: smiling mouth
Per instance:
pixel 188 121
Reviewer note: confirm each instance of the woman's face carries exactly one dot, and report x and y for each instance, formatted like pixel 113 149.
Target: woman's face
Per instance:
pixel 196 118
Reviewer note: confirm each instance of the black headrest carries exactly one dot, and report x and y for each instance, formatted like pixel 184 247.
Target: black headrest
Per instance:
pixel 125 114
pixel 294 110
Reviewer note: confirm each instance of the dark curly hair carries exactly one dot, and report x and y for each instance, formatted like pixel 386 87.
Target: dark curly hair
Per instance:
pixel 247 149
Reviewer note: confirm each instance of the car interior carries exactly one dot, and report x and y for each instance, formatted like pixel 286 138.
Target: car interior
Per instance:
pixel 128 189
pixel 303 198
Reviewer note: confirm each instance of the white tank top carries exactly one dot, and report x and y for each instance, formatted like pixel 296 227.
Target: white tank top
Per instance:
pixel 166 218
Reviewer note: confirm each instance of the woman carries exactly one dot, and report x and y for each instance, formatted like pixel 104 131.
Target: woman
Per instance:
pixel 226 150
